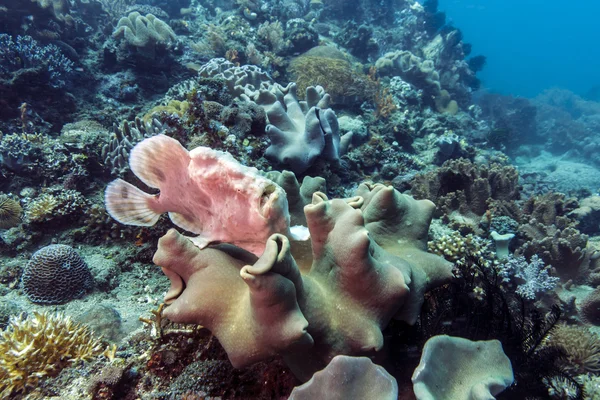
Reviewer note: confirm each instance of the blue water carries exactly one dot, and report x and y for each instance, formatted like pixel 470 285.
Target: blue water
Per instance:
pixel 532 45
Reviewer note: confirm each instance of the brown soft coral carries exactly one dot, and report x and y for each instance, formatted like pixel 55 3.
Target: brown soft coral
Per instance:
pixel 564 249
pixel 369 265
pixel 463 190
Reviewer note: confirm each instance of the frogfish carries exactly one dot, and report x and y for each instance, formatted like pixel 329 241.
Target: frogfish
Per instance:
pixel 206 192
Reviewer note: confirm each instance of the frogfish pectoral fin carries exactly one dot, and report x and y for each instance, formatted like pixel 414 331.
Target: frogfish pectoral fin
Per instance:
pixel 130 205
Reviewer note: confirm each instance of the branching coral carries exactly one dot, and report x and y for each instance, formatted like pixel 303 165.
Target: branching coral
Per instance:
pixel 454 247
pixel 534 275
pixel 39 346
pixel 25 53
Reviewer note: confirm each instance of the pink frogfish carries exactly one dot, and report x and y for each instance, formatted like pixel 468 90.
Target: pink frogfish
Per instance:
pixel 205 191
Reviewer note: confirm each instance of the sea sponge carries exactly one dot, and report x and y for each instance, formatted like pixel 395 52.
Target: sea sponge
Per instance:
pixel 56 274
pixel 10 212
pixel 41 345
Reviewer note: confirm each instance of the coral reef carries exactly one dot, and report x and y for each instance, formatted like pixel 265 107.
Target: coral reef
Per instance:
pixel 338 93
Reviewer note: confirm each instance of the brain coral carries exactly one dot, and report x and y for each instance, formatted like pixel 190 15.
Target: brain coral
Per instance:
pixel 56 274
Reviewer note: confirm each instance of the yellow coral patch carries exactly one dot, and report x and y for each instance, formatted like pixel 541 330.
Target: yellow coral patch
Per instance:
pixel 41 345
pixel 174 107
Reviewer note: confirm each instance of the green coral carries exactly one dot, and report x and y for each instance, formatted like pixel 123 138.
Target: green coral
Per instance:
pixel 343 82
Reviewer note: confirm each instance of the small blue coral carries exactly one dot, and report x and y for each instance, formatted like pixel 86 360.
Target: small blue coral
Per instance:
pixel 24 52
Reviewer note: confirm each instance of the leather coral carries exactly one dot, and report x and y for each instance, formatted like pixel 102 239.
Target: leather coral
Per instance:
pixel 359 279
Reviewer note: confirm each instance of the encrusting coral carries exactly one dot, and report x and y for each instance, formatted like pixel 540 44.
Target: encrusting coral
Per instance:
pixel 41 345
pixel 369 265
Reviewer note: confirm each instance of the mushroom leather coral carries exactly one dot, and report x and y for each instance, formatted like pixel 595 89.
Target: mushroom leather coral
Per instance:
pixel 258 307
